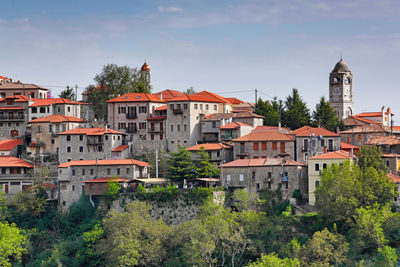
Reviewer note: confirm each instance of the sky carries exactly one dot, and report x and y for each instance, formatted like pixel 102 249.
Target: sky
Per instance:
pixel 228 47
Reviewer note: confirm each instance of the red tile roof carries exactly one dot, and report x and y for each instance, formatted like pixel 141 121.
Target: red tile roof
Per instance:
pixel 19 85
pixel 168 94
pixel 203 96
pixel 8 161
pixel 307 131
pixel 157 118
pixel 210 95
pixel 135 97
pixel 107 179
pixel 347 146
pixel 51 101
pixel 19 98
pixel 161 108
pixel 6 145
pixel 340 154
pixel 91 131
pixel 393 178
pixel 269 128
pixel 234 100
pixel 365 120
pixel 104 162
pixel 12 108
pixel 264 136
pixel 369 114
pixel 207 146
pixel 261 162
pixel 57 118
pixel 234 125
pixel 247 114
pixel 120 148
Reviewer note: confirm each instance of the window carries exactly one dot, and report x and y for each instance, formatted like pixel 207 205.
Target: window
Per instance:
pixel 81 149
pixel 127 170
pixel 42 110
pixel 68 149
pixel 195 106
pixel 100 148
pixel 73 172
pixel 50 128
pixel 215 107
pixel 142 125
pixel 34 110
pixel 316 184
pixel 178 106
pixel 73 187
pixel 59 109
pixel 218 153
pixel 305 144
pixel 324 165
pixel 316 166
pixel 269 175
pixel 359 137
pixel 152 136
pixel 322 142
pixel 241 177
pixel 255 157
pixel 52 141
pixel 178 127
pixel 253 176
pixel 143 109
pixel 106 137
pixel 274 145
pixel 283 147
pixel 206 106
pixel 108 171
pixel 185 127
pixel 330 144
pixel 68 138
pixel 255 146
pixel 83 171
pixel 228 177
pixel 348 139
pixel 171 106
pixel 214 124
pixel 185 106
pixel 161 126
pixel 161 136
pixel 264 146
pixel 69 109
pixel 201 106
pixel 118 171
pixel 91 171
pixel 81 137
pixel 38 128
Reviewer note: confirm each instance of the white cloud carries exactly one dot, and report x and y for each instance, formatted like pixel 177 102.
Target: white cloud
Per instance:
pixel 170 9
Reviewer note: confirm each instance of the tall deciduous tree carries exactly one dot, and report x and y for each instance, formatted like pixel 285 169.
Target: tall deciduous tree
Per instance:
pixel 181 166
pixel 296 113
pixel 271 110
pixel 68 93
pixel 204 168
pixel 325 116
pixel 371 156
pixel 12 244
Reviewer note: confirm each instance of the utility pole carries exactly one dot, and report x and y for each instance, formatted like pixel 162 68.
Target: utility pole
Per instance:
pixel 256 100
pixel 76 99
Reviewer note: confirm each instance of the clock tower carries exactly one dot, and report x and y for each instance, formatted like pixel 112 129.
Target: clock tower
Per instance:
pixel 341 90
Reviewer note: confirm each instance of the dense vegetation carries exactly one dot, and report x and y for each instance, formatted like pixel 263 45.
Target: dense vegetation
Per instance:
pixel 356 225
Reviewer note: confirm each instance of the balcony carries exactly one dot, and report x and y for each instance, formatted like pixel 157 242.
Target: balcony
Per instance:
pixel 154 130
pixel 12 118
pixel 177 111
pixel 94 142
pixel 131 130
pixel 131 115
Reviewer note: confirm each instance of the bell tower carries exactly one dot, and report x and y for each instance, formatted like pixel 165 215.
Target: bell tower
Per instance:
pixel 341 90
pixel 145 75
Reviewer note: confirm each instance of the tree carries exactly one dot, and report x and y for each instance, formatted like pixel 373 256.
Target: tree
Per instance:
pixel 11 244
pixel 204 168
pixel 325 116
pixel 114 81
pixel 32 203
pixel 133 238
pixel 346 188
pixel 181 166
pixel 371 156
pixel 112 189
pixel 272 260
pixel 296 113
pixel 271 110
pixel 68 93
pixel 324 249
pixel 190 91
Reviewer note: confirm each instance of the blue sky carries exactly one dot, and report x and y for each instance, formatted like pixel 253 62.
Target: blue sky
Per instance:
pixel 228 47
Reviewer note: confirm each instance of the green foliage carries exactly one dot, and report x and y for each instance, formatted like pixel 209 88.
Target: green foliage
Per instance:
pixel 244 199
pixel 151 158
pixel 68 93
pixel 371 156
pixel 113 188
pixel 181 166
pixel 272 260
pixel 296 113
pixel 386 257
pixel 204 169
pixel 190 91
pixel 325 116
pixel 32 203
pixel 271 110
pixel 11 244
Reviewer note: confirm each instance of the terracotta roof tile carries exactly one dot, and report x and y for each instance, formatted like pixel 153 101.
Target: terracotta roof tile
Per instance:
pixel 135 97
pixel 8 161
pixel 264 136
pixel 6 145
pixel 234 100
pixel 161 108
pixel 57 118
pixel 365 120
pixel 207 146
pixel 19 98
pixel 269 128
pixel 393 178
pixel 91 131
pixel 346 146
pixel 19 85
pixel 210 95
pixel 12 108
pixel 340 154
pixel 168 94
pixel 307 131
pixel 120 148
pixel 369 114
pixel 104 162
pixel 384 140
pixel 51 101
pixel 247 114
pixel 195 98
pixel 261 162
pixel 234 125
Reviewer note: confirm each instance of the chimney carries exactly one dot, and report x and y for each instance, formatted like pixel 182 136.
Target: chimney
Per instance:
pixel 325 150
pixel 105 127
pixel 160 96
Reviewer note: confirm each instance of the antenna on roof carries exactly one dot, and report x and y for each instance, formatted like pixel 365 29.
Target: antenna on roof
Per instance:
pixel 341 54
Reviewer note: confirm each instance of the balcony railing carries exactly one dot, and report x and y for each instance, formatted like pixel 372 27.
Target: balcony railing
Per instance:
pixel 12 118
pixel 94 142
pixel 178 111
pixel 131 115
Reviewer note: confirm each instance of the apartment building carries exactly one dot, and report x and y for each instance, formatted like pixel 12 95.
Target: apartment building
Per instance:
pixel 218 152
pixel 88 144
pixel 14 116
pixel 15 176
pixel 45 130
pixel 24 89
pixel 71 175
pixel 54 106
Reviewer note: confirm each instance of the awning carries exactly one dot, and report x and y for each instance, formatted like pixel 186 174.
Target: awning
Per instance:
pixel 152 180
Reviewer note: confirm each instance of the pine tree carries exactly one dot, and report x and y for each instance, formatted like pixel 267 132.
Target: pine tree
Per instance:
pixel 204 168
pixel 296 113
pixel 68 93
pixel 271 110
pixel 181 166
pixel 325 116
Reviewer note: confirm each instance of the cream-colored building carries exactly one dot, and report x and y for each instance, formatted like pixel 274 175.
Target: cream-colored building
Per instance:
pixel 316 166
pixel 54 106
pixel 24 89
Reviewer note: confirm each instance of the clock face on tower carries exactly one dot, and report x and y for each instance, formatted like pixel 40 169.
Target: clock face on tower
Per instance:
pixel 336 90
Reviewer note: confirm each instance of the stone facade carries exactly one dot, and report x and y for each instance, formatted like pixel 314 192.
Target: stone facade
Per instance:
pixel 13 116
pixel 263 149
pixel 15 175
pixel 23 89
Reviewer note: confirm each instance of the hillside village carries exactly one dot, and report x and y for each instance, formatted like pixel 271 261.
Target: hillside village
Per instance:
pixel 81 152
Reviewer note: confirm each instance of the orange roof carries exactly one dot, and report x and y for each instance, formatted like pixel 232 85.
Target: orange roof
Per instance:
pixel 365 120
pixel 91 131
pixel 262 162
pixel 210 95
pixel 264 136
pixel 207 146
pixel 307 131
pixel 197 98
pixel 120 148
pixel 106 180
pixel 340 154
pixel 9 144
pixel 57 118
pixel 234 125
pixel 19 98
pixel 135 97
pixel 234 100
pixel 51 101
pixel 145 67
pixel 168 94
pixel 269 128
pixel 161 108
pixel 8 161
pixel 12 108
pixel 348 146
pixel 369 114
pixel 393 178
pixel 103 162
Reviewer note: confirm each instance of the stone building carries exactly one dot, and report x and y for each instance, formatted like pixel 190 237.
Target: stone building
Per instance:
pixel 219 152
pixel 14 116
pixel 54 106
pixel 88 144
pixel 360 135
pixel 23 89
pixel 234 130
pixel 45 130
pixel 71 175
pixel 15 175
pixel 270 173
pixel 271 143
pixel 341 90
pixel 316 166
pixel 312 141
pixel 11 147
pixel 5 79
